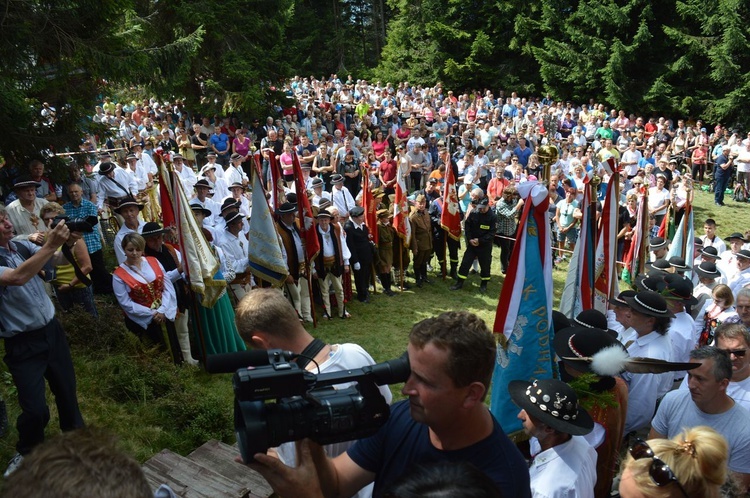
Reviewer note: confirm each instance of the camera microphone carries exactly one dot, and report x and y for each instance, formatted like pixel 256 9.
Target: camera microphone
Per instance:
pixel 231 362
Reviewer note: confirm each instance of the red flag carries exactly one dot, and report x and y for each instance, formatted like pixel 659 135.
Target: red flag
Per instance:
pixel 370 205
pixel 450 217
pixel 401 210
pixel 274 168
pixel 307 224
pixel 166 198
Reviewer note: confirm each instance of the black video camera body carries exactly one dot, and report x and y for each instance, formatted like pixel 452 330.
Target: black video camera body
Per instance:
pixel 85 225
pixel 308 405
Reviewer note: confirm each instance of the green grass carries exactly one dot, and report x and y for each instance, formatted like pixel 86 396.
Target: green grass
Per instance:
pixel 151 404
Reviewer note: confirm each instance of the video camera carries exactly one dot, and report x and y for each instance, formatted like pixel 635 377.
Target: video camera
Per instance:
pixel 85 225
pixel 307 406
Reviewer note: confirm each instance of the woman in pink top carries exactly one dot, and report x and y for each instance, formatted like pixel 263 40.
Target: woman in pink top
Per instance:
pixel 287 167
pixel 241 144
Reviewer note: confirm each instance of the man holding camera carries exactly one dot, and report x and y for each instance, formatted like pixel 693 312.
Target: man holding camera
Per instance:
pixel 445 419
pixel 267 320
pixel 35 343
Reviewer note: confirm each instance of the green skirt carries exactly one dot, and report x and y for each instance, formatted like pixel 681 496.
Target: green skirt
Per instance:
pixel 218 327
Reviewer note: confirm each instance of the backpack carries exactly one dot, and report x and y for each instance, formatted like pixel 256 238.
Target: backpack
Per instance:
pixel 740 193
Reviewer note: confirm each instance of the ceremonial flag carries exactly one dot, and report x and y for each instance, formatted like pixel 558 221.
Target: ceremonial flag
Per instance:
pixel 264 247
pixel 635 259
pixel 370 205
pixel 682 243
pixel 666 229
pixel 199 260
pixel 275 175
pixel 605 277
pixel 579 283
pixel 523 320
pixel 165 197
pixel 401 209
pixel 307 221
pixel 450 215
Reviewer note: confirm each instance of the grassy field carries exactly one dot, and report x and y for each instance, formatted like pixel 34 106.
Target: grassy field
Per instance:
pixel 152 404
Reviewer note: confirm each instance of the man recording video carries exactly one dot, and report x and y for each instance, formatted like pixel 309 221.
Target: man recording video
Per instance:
pixel 267 320
pixel 444 419
pixel 35 343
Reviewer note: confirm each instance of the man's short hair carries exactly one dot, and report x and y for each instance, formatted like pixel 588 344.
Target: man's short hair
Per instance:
pixel 743 292
pixel 83 462
pixel 722 363
pixel 265 310
pixel 732 331
pixel 465 336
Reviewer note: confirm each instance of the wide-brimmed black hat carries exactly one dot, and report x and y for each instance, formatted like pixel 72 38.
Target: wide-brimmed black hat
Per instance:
pixel 649 303
pixel 211 154
pixel 657 243
pixel 679 288
pixel 106 167
pixel 592 319
pixel 287 208
pixel 324 203
pixel 128 201
pixel 202 183
pixel 228 204
pixel 195 207
pixel 26 181
pixel 237 185
pixel 660 264
pixel 559 321
pixel 619 300
pixel 317 182
pixel 707 269
pixel 737 235
pixel 651 282
pixel 236 157
pixel 131 157
pixel 323 214
pixel 152 229
pixel 232 217
pixel 679 263
pixel 711 252
pixel 743 253
pixel 336 179
pixel 552 402
pixel 578 347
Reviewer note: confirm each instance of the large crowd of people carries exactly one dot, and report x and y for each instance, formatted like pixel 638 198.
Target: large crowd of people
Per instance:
pixel 350 136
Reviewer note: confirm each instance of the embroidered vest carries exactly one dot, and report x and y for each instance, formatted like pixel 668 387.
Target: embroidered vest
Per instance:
pixel 148 295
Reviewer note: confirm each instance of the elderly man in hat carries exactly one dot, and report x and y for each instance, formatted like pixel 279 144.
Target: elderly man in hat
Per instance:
pixel 293 248
pixel 202 188
pixel 341 197
pixel 728 261
pixel 587 350
pixel 128 209
pixel 318 192
pixel 234 172
pixel 741 277
pixel 331 263
pixel 237 192
pixel 421 239
pixel 115 184
pixel 171 259
pixel 649 319
pixel 360 244
pixel 184 173
pixel 24 212
pixel 210 173
pixel 564 463
pixel 234 244
pixel 479 230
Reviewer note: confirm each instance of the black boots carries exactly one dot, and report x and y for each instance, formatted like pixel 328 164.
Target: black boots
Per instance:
pixel 483 287
pixel 385 279
pixel 458 285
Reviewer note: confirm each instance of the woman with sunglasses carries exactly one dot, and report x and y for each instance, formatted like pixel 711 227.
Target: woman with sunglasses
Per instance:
pixel 692 464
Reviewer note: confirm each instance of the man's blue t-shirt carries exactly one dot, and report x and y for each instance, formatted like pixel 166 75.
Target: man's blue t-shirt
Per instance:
pixel 403 442
pixel 221 142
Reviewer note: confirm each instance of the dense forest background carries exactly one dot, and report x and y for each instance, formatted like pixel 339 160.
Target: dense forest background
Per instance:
pixel 677 58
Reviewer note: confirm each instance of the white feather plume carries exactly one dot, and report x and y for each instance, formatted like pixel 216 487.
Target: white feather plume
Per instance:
pixel 610 361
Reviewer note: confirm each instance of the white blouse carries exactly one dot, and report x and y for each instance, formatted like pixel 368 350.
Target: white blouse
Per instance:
pixel 139 313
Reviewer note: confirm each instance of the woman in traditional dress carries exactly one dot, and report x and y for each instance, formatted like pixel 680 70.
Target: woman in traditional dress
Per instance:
pixel 145 296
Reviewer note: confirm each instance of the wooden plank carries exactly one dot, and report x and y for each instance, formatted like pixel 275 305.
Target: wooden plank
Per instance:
pixel 190 479
pixel 219 457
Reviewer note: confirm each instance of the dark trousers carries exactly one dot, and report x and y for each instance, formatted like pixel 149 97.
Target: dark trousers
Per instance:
pixel 100 276
pixel 505 244
pixel 83 297
pixel 439 243
pixel 721 185
pixel 483 253
pixel 362 279
pixel 32 357
pixel 154 334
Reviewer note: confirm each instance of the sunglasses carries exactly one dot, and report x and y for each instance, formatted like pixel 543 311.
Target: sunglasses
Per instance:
pixel 659 471
pixel 739 353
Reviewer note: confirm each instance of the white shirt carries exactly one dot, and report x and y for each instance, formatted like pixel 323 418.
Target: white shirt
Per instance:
pixel 21 217
pixel 739 280
pixel 187 178
pixel 124 230
pixel 234 175
pixel 108 188
pixel 719 244
pixel 645 389
pixel 317 198
pixel 235 249
pixel 147 164
pixel 682 335
pixel 139 313
pixel 738 391
pixel 342 200
pixel 567 470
